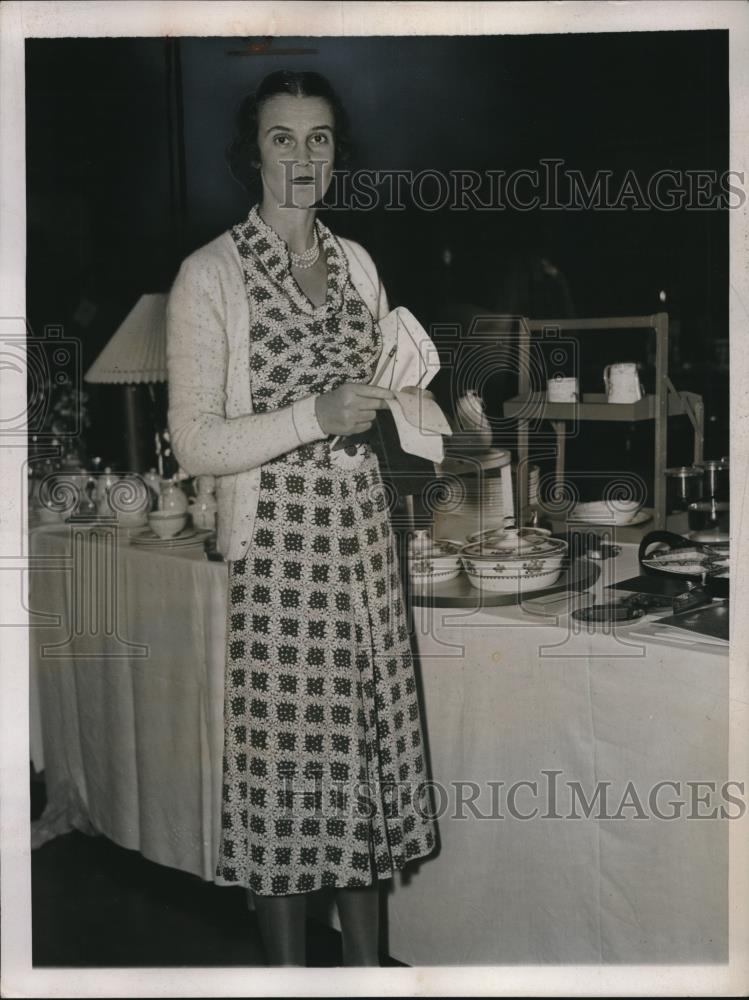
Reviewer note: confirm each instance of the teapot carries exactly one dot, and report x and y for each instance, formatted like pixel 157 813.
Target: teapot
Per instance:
pixel 171 499
pixel 204 506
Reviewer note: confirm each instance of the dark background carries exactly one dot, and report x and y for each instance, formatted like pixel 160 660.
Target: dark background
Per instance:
pixel 126 175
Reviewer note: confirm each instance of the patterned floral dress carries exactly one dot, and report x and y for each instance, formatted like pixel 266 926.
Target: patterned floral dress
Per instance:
pixel 324 771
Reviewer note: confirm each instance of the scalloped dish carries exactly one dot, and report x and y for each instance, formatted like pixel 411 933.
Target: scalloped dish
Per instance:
pixel 689 562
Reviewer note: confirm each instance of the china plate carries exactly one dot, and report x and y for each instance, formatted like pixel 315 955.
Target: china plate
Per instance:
pixel 685 567
pixel 640 518
pixel 93 520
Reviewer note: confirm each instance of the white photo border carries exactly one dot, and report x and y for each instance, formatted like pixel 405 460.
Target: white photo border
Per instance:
pixel 20 20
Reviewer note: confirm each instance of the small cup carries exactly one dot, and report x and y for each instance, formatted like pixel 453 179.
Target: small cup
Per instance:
pixel 165 524
pixel 562 389
pixel 622 381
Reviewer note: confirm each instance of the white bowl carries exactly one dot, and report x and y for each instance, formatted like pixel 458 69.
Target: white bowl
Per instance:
pixel 618 511
pixel 484 576
pixel 165 524
pixel 525 559
pixel 434 569
pixel 433 560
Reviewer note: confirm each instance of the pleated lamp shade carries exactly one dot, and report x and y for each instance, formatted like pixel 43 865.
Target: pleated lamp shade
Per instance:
pixel 137 351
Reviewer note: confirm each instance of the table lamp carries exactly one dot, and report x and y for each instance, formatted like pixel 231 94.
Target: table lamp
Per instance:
pixel 135 355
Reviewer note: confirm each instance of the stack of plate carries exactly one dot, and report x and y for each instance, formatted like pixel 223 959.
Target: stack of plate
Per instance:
pixel 470 493
pixel 189 538
pixel 470 503
pixel 534 474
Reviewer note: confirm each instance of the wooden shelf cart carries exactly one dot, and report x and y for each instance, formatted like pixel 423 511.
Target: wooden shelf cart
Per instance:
pixel 666 402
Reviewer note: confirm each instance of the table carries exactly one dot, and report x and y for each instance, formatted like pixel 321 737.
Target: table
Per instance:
pixel 132 739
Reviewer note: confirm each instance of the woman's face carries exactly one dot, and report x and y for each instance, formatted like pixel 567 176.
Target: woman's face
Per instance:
pixel 297 149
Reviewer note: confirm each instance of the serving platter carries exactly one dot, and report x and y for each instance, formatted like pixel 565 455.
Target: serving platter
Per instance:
pixel 690 564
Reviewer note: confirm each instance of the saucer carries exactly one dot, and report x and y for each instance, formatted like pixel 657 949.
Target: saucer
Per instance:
pixel 149 539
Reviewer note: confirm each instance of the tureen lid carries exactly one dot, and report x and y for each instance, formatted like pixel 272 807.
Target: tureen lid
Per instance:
pixel 523 544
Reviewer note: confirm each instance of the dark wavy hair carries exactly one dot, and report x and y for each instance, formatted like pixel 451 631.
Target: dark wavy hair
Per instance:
pixel 243 152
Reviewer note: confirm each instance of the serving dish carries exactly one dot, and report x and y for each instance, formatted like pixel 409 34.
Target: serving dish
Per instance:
pixel 507 561
pixel 666 554
pixel 689 562
pixel 433 561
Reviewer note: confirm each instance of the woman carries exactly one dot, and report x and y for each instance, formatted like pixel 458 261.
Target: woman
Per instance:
pixel 272 339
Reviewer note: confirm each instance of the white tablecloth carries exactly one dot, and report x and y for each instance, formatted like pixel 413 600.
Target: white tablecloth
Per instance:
pixel 132 738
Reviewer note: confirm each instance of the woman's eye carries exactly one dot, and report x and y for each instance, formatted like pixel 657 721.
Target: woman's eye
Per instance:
pixel 319 139
pixel 280 140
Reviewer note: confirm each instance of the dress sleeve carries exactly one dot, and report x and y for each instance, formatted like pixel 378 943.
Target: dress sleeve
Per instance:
pixel 205 441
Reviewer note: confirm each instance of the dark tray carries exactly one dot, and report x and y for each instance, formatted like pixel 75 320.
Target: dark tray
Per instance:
pixel 711 621
pixel 459 593
pixel 659 586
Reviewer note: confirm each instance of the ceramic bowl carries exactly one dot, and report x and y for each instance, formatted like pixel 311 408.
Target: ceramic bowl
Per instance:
pixel 617 511
pixel 484 576
pixel 434 569
pixel 165 524
pixel 526 559
pixel 433 560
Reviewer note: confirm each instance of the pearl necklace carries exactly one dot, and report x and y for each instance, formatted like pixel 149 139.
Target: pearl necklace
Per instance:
pixel 308 258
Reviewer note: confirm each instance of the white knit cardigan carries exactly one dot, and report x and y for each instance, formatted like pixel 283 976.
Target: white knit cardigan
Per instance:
pixel 211 421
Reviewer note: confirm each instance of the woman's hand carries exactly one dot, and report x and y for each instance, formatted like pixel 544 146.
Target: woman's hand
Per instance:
pixel 350 409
